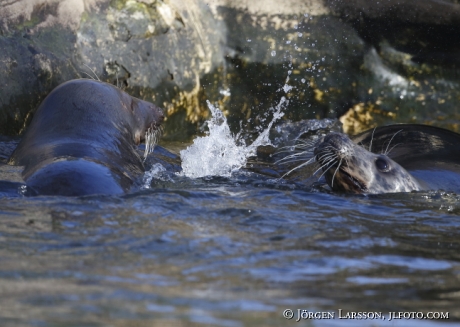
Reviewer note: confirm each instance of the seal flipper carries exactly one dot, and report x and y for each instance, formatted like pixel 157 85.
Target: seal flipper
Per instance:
pixel 410 141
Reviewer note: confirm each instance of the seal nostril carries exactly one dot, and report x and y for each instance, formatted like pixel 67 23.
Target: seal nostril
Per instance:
pixel 382 165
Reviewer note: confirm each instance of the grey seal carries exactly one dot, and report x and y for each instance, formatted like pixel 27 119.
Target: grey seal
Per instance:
pixel 351 168
pixel 394 158
pixel 82 140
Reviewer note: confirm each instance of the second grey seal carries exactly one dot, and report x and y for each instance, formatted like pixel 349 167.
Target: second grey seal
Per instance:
pixel 351 168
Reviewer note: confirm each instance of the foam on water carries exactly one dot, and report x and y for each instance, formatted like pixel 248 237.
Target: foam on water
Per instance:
pixel 220 153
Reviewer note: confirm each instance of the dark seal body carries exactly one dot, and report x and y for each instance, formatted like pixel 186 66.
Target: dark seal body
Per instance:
pixel 82 140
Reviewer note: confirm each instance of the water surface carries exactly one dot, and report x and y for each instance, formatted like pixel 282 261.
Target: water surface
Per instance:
pixel 227 251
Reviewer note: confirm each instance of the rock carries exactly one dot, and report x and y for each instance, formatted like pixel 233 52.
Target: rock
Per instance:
pixel 298 51
pixel 411 68
pixel 365 61
pixel 156 50
pixel 421 12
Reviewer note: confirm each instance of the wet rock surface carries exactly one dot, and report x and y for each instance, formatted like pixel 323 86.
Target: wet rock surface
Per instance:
pixel 155 50
pixel 368 63
pixel 411 67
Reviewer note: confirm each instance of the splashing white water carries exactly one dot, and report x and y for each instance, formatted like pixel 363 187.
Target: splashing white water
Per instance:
pixel 157 171
pixel 220 153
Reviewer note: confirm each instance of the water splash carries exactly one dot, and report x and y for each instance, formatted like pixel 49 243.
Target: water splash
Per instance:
pixel 158 172
pixel 220 153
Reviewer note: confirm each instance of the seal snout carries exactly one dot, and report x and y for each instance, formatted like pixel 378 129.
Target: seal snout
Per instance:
pixel 158 116
pixel 335 154
pixel 335 144
pixel 330 151
pixel 146 114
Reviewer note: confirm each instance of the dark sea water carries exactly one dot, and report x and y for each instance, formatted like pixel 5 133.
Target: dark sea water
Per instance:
pixel 227 251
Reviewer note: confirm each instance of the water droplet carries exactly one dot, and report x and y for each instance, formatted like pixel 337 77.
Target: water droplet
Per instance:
pixel 287 88
pixel 225 92
pixel 273 53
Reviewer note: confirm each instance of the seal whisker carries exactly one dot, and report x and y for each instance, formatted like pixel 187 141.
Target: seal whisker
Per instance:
pixel 297 153
pixel 372 138
pixel 394 146
pixel 326 164
pixel 300 144
pixel 292 160
pixel 333 176
pixel 299 166
pixel 295 156
pixel 151 139
pixel 292 148
pixel 329 159
pixel 386 150
pixel 304 144
pixel 288 149
pixel 328 152
pixel 97 77
pixel 325 170
pixel 90 77
pixel 326 156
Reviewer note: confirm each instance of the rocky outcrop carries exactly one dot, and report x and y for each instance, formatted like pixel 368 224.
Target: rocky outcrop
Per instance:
pixel 155 50
pixel 411 67
pixel 364 61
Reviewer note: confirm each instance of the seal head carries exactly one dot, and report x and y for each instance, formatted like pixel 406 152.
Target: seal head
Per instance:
pixel 350 168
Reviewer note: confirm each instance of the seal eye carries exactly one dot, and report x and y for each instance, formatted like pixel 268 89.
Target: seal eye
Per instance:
pixel 382 165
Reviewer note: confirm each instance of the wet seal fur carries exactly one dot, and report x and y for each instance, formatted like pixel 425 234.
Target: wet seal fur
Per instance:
pixel 82 140
pixel 350 168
